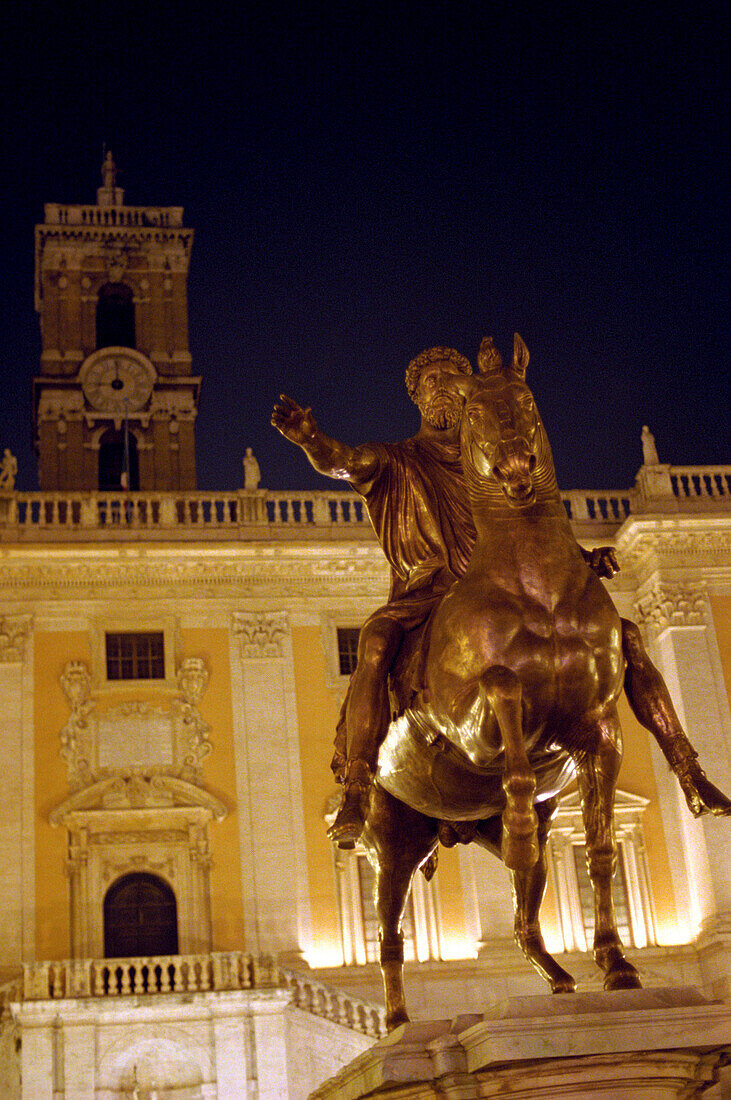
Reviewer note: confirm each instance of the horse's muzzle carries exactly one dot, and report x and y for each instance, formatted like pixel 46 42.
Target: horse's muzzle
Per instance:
pixel 513 471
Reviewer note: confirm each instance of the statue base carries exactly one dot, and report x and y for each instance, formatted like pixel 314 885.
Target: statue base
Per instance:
pixel 652 1043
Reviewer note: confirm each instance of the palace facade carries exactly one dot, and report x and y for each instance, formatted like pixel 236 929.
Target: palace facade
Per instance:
pixel 172 664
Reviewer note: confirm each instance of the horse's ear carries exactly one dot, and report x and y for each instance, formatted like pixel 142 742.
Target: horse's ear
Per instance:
pixel 520 357
pixel 489 359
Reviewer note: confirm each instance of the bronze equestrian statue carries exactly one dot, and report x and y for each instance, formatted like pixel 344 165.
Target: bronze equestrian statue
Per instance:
pixel 524 664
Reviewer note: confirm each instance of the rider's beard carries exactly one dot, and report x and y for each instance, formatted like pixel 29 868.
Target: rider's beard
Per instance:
pixel 441 411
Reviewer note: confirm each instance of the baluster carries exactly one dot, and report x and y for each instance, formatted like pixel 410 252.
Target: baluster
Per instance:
pixel 219 981
pixel 125 969
pixel 165 967
pixel 205 979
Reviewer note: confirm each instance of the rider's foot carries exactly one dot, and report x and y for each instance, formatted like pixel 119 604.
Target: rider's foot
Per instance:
pixel 350 818
pixel 700 794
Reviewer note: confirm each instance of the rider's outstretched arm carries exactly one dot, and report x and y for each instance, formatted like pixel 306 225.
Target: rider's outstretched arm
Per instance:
pixel 356 464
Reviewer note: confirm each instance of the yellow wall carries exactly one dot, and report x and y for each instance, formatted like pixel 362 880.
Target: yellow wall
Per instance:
pixel 52 651
pixel 219 776
pixel 721 611
pixel 51 712
pixel 317 713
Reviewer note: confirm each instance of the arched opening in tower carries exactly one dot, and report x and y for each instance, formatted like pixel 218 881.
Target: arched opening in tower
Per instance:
pixel 115 316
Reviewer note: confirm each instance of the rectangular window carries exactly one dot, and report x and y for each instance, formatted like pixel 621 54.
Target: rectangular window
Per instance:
pixel 348 648
pixel 136 656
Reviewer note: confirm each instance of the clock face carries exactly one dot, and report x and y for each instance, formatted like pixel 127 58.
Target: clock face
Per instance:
pixel 117 380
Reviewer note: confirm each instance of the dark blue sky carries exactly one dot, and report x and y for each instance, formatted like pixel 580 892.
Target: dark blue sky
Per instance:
pixel 369 180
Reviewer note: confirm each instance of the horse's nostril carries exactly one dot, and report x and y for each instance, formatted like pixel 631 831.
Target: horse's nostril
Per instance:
pixel 497 472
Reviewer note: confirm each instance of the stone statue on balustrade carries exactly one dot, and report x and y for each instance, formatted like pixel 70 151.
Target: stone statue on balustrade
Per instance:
pixel 252 473
pixel 451 729
pixel 650 456
pixel 8 470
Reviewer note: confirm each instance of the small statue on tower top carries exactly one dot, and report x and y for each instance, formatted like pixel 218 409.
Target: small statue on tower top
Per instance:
pixel 650 456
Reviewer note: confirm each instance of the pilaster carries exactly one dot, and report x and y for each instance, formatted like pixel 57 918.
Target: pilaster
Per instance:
pixel 269 786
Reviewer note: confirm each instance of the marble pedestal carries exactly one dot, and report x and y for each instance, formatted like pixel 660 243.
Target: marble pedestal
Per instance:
pixel 651 1043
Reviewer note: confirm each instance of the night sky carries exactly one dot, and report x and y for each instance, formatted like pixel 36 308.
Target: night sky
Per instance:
pixel 366 181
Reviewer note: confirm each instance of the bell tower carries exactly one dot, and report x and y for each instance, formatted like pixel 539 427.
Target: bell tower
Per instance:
pixel 115 401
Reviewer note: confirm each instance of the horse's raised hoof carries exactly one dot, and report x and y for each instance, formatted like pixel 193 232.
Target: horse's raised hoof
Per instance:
pixel 395 1019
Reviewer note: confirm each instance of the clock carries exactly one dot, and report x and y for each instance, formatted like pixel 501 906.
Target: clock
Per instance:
pixel 117 380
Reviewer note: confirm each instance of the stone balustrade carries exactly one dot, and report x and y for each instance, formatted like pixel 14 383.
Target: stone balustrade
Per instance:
pixel 332 1004
pixel 217 972
pixel 145 217
pixel 69 978
pixel 701 483
pixel 242 514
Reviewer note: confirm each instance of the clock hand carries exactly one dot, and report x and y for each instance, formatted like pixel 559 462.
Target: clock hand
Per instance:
pixel 116 383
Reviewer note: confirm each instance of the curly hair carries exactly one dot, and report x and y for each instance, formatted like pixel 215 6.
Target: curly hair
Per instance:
pixel 433 355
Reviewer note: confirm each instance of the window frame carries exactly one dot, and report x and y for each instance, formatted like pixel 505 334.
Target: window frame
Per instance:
pixel 136 621
pixel 136 657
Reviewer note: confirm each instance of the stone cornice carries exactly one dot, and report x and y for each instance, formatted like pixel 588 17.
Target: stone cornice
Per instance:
pixel 54 572
pixel 645 544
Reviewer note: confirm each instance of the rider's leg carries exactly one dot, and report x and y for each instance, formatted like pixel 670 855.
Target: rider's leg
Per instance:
pixel 597 776
pixel 650 700
pixel 367 717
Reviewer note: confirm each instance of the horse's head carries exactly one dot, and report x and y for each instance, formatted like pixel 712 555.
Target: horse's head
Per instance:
pixel 502 436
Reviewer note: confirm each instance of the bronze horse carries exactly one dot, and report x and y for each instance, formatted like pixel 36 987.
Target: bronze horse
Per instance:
pixel 522 676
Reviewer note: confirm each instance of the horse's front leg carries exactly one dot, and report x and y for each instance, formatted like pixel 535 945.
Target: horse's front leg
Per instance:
pixel 397 840
pixel 503 695
pixel 597 777
pixel 528 889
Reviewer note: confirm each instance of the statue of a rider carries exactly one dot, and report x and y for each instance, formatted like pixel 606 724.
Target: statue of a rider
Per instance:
pixel 417 501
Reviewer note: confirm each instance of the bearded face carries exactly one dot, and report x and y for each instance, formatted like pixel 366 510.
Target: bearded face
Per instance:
pixel 439 406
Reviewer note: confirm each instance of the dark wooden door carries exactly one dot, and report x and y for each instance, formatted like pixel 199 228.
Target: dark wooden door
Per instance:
pixel 140 918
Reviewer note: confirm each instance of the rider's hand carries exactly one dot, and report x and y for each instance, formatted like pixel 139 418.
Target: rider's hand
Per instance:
pixel 295 423
pixel 603 561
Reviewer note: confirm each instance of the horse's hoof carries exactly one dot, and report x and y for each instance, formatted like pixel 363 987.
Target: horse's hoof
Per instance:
pixel 563 985
pixel 395 1019
pixel 623 979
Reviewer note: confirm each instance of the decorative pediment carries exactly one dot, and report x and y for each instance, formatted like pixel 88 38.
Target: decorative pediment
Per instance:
pixel 139 792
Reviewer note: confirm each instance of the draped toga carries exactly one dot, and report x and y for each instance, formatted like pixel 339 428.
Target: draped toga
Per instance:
pixel 417 502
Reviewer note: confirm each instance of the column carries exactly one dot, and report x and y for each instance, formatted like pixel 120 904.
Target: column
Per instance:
pixel 269 786
pixel 17 834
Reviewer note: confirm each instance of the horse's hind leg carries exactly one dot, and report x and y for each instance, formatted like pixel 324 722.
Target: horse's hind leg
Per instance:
pixel 528 889
pixel 397 840
pixel 597 776
pixel 503 694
